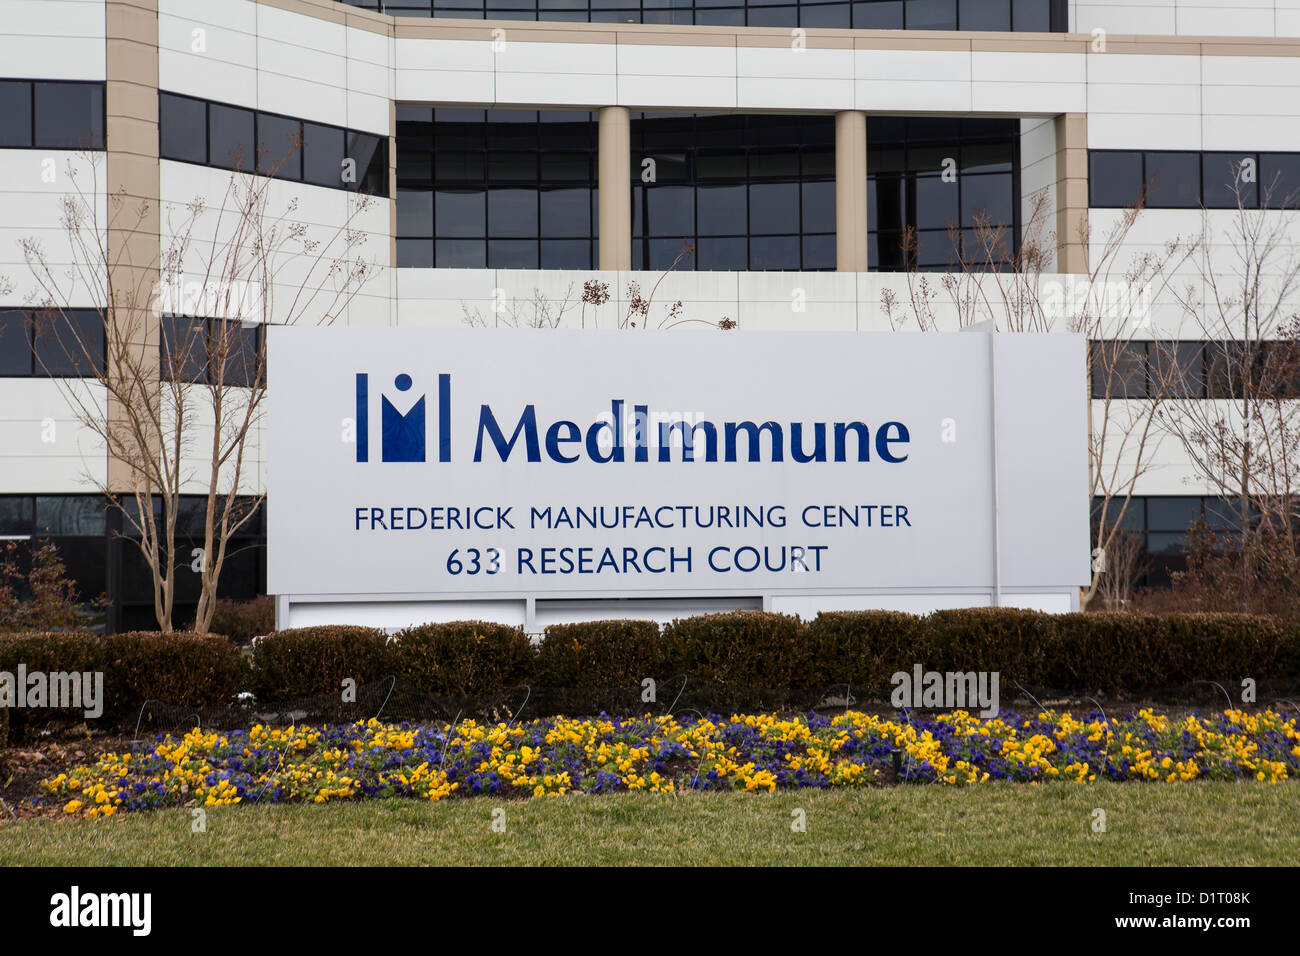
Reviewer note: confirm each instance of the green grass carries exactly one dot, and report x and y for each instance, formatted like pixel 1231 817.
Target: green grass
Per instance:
pixel 1203 823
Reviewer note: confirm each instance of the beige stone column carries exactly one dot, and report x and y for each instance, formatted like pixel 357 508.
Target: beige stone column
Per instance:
pixel 1071 192
pixel 614 221
pixel 851 191
pixel 132 181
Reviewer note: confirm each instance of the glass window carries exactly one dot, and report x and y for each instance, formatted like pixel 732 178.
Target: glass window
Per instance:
pixel 461 254
pixel 819 206
pixel 460 213
pixel 835 15
pixel 936 203
pixel 512 212
pixel 415 253
pixel 566 212
pixel 414 212
pixel 984 15
pixel 184 344
pixel 991 195
pixel 1173 180
pixel 15 344
pixel 774 208
pixel 182 128
pixel 1119 369
pixel 69 344
pixel 15 114
pixel 230 137
pixel 239 344
pixel 878 15
pixel 279 146
pixel 931 14
pixel 1032 16
pixel 1114 178
pixel 1279 180
pixel 69 115
pixel 70 515
pixel 322 155
pixel 1229 176
pixel 722 210
pixel 513 253
pixel 670 210
pixel 1172 513
pixel 16 514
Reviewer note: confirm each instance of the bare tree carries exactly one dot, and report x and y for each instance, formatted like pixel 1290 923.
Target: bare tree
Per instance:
pixel 991 280
pixel 180 380
pixel 1244 441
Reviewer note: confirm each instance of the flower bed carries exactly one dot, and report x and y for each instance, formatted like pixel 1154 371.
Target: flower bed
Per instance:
pixel 668 753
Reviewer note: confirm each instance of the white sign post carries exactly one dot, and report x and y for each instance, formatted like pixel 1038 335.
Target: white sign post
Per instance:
pixel 419 474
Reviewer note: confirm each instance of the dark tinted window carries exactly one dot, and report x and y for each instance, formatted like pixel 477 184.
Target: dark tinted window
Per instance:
pixel 16 513
pixel 70 515
pixel 69 344
pixel 184 344
pixel 1173 180
pixel 15 344
pixel 931 14
pixel 985 14
pixel 1114 178
pixel 1279 179
pixel 182 128
pixel 279 147
pixel 15 113
pixel 371 156
pixel 1033 16
pixel 240 345
pixel 322 154
pixel 1228 178
pixel 878 15
pixel 69 115
pixel 230 137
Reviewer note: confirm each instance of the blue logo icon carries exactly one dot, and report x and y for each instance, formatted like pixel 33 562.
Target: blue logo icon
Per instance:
pixel 402 434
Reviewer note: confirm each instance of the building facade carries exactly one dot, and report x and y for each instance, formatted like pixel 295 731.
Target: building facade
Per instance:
pixel 809 157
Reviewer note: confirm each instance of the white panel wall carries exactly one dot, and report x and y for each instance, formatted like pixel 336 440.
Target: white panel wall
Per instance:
pixel 33 186
pixel 43 445
pixel 1193 18
pixel 259 56
pixel 55 39
pixel 324 213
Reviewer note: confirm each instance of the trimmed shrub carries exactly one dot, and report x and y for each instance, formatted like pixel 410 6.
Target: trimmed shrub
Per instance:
pixel 1017 643
pixel 1112 651
pixel 860 648
pixel 182 669
pixel 742 648
pixel 599 654
pixel 463 658
pixel 314 661
pixel 1229 647
pixel 187 670
pixel 241 621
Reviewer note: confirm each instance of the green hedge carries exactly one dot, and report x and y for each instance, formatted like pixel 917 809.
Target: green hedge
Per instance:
pixel 599 654
pixel 182 669
pixel 723 656
pixel 738 648
pixel 463 658
pixel 314 661
pixel 859 648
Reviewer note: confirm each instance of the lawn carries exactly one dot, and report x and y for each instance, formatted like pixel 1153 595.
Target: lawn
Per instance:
pixel 1200 823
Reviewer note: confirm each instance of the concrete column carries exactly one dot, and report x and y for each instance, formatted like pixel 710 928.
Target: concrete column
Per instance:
pixel 131 138
pixel 615 184
pixel 1071 192
pixel 851 191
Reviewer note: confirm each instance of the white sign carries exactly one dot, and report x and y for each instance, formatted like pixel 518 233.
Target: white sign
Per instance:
pixel 476 463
